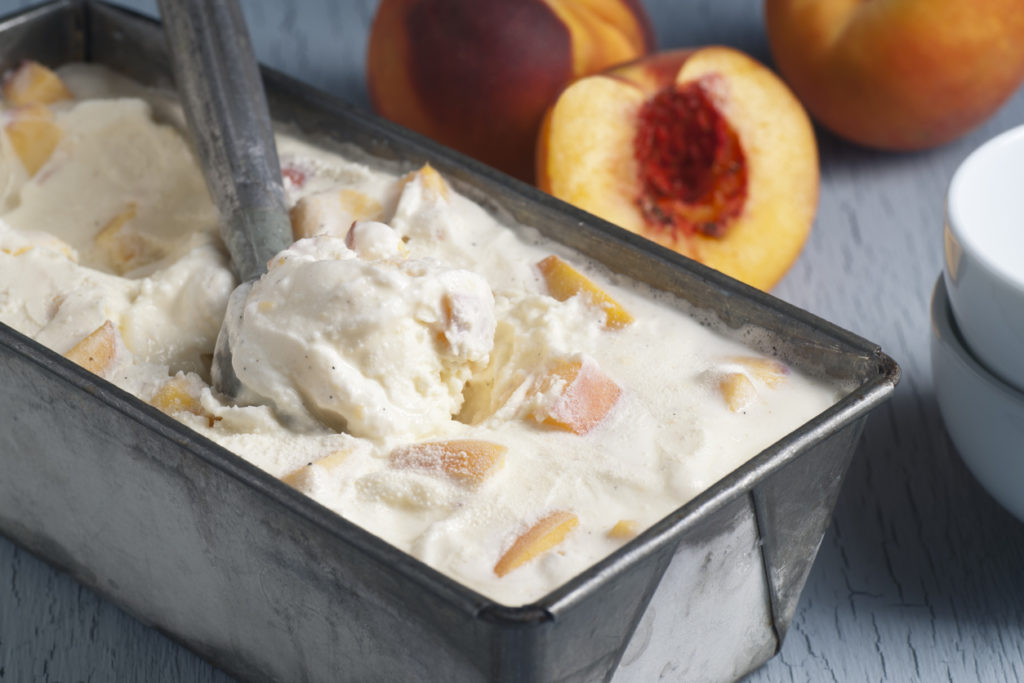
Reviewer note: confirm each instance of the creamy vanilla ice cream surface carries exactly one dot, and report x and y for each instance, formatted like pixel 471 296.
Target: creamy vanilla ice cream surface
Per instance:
pixel 430 374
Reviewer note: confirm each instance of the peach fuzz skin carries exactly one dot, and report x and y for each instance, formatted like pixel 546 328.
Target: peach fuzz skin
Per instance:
pixel 750 224
pixel 478 76
pixel 899 74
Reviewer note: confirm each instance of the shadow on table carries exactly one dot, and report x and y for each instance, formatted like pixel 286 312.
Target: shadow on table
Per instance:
pixel 914 528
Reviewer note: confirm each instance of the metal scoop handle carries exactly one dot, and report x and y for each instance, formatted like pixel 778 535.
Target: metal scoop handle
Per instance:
pixel 219 84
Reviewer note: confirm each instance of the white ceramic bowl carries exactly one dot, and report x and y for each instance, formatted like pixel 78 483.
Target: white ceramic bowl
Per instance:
pixel 984 240
pixel 984 415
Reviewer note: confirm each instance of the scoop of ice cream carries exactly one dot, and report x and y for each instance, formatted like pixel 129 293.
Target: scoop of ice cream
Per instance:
pixel 378 347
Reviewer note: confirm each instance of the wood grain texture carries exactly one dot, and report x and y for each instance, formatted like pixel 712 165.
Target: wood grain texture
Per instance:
pixel 921 576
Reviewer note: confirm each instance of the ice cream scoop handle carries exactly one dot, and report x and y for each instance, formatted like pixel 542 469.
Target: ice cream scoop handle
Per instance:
pixel 219 84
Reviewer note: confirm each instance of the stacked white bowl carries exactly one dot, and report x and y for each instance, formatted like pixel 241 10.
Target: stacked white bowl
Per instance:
pixel 977 342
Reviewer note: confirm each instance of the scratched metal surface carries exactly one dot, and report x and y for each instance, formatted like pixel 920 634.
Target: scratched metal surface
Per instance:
pixel 921 576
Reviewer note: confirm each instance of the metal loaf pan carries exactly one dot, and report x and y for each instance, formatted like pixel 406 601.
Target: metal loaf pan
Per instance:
pixel 269 585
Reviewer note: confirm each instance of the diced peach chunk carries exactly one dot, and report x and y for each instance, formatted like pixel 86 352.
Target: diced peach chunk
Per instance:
pixel 299 478
pixel 564 282
pixel 738 386
pixel 33 134
pixel 768 370
pixel 176 396
pixel 539 538
pixel 624 528
pixel 307 216
pixel 431 180
pixel 126 249
pixel 464 460
pixel 362 207
pixel 737 390
pixel 332 213
pixel 585 398
pixel 464 316
pixel 33 83
pixel 97 351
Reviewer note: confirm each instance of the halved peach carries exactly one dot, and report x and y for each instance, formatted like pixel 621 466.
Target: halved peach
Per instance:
pixel 564 281
pixel 97 351
pixel 464 460
pixel 583 396
pixel 33 134
pixel 539 538
pixel 704 151
pixel 33 83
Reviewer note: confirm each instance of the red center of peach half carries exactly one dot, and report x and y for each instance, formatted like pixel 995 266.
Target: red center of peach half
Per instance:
pixel 693 173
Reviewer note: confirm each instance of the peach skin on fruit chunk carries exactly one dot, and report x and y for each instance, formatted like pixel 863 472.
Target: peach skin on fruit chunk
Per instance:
pixel 33 83
pixel 539 538
pixel 582 396
pixel 899 74
pixel 704 151
pixel 464 460
pixel 97 351
pixel 564 281
pixel 33 134
pixel 477 76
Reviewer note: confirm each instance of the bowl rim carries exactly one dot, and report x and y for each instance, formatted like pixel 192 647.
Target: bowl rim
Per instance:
pixel 954 211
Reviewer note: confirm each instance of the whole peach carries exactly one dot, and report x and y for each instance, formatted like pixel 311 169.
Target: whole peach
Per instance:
pixel 899 74
pixel 477 75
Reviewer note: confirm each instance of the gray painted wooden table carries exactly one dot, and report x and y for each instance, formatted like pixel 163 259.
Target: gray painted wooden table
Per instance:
pixel 921 576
